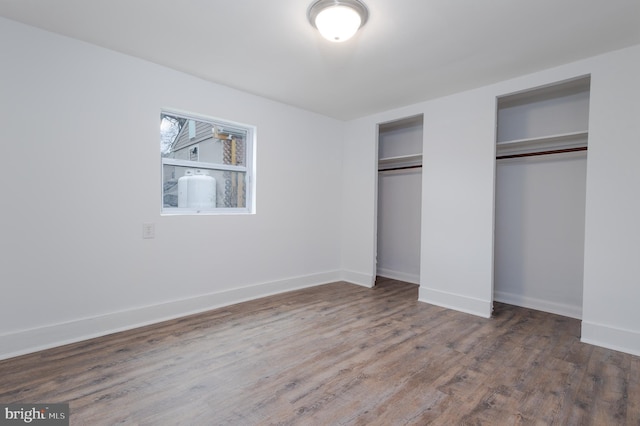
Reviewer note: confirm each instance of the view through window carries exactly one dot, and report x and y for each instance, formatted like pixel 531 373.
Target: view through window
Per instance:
pixel 207 165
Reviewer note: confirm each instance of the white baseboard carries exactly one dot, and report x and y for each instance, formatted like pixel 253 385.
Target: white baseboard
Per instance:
pixel 36 339
pixel 609 337
pixel 539 304
pixel 397 275
pixel 458 302
pixel 358 278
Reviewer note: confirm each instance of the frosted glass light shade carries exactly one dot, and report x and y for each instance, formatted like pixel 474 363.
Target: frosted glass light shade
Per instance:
pixel 338 23
pixel 337 20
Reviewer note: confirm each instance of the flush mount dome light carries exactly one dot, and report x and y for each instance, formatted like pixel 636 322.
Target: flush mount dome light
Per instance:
pixel 337 20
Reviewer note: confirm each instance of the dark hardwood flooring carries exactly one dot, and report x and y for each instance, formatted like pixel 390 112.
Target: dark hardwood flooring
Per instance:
pixel 336 354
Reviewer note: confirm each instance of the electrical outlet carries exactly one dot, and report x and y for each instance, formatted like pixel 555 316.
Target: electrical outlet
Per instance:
pixel 148 230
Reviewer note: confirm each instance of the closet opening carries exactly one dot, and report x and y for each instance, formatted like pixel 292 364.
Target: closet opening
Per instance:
pixel 399 199
pixel 540 188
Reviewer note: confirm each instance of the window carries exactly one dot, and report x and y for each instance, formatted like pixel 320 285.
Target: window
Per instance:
pixel 207 165
pixel 193 153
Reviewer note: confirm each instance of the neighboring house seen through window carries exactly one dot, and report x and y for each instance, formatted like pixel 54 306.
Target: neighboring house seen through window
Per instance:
pixel 207 165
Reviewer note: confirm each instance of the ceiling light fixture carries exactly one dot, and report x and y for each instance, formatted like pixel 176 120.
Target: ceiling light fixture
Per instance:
pixel 338 20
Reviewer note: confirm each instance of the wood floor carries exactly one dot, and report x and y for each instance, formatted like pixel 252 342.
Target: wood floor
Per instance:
pixel 337 354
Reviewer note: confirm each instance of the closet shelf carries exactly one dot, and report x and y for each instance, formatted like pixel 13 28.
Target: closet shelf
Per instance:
pixel 399 158
pixel 543 143
pixel 400 162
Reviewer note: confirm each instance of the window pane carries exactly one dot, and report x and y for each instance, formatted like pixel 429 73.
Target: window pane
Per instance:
pixel 207 165
pixel 187 187
pixel 207 142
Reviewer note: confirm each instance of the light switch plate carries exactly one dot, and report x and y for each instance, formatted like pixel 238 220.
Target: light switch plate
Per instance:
pixel 148 230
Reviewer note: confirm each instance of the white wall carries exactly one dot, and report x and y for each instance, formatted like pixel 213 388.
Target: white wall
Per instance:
pixel 457 199
pixel 399 203
pixel 360 195
pixel 359 198
pixel 82 174
pixel 457 205
pixel 539 238
pixel 458 190
pixel 611 314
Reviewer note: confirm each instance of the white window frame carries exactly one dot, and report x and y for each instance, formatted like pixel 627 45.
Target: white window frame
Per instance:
pixel 249 169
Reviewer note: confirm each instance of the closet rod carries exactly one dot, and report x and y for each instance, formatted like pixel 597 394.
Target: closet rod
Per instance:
pixel 531 154
pixel 400 168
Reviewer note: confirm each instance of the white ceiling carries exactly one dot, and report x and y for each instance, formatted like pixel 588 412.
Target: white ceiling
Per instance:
pixel 409 50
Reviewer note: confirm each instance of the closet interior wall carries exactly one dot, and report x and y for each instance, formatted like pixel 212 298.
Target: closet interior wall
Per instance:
pixel 541 161
pixel 399 199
